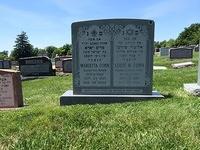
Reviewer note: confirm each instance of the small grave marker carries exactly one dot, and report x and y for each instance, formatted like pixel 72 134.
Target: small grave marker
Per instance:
pixel 10 89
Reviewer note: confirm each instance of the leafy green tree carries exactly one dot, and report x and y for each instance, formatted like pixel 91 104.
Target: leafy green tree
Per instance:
pixel 42 52
pixel 4 53
pixel 50 50
pixel 189 36
pixel 163 43
pixel 22 48
pixel 2 56
pixel 157 44
pixel 57 52
pixel 66 49
pixel 170 43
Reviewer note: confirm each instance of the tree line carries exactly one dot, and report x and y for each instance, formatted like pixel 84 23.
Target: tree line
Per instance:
pixel 189 36
pixel 23 48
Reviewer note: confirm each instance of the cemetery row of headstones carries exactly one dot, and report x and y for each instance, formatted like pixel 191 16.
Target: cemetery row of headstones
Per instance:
pixel 38 66
pixel 112 62
pixel 176 53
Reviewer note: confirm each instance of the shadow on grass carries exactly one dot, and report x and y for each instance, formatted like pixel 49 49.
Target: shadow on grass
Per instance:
pixel 168 95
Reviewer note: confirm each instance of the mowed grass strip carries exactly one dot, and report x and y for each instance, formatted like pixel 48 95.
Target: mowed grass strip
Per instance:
pixel 170 123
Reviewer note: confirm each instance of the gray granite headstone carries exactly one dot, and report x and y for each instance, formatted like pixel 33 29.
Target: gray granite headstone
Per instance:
pixel 67 65
pixel 36 66
pixel 111 57
pixel 179 53
pixel 5 64
pixel 164 51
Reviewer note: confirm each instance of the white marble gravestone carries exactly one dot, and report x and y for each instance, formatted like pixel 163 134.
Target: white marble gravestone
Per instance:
pixel 194 88
pixel 112 61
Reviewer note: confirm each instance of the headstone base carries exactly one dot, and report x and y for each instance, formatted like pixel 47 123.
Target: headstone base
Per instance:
pixel 68 98
pixel 192 88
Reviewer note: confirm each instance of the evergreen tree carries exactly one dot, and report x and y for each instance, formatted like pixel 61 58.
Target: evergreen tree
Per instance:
pixel 22 47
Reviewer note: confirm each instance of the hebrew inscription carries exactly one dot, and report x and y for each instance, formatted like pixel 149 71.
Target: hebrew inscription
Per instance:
pixel 113 57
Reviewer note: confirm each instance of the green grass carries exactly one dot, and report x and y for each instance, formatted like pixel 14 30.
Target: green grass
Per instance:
pixel 171 123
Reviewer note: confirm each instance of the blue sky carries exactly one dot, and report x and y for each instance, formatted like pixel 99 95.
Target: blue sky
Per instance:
pixel 48 22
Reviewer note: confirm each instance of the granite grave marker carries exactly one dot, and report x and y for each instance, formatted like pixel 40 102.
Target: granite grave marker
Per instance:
pixel 112 61
pixel 67 65
pixel 5 64
pixel 179 53
pixel 164 51
pixel 10 89
pixel 36 66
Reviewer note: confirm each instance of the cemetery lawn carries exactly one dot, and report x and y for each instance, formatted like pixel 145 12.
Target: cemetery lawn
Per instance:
pixel 170 123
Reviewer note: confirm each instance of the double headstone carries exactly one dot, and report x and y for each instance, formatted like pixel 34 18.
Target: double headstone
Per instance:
pixel 5 64
pixel 112 61
pixel 10 89
pixel 36 66
pixel 67 65
pixel 179 53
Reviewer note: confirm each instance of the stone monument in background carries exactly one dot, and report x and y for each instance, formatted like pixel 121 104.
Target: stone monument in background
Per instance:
pixel 112 61
pixel 164 51
pixel 10 89
pixel 181 53
pixel 5 64
pixel 36 66
pixel 67 65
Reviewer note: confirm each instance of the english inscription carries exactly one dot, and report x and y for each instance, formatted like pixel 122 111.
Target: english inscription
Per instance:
pixel 6 91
